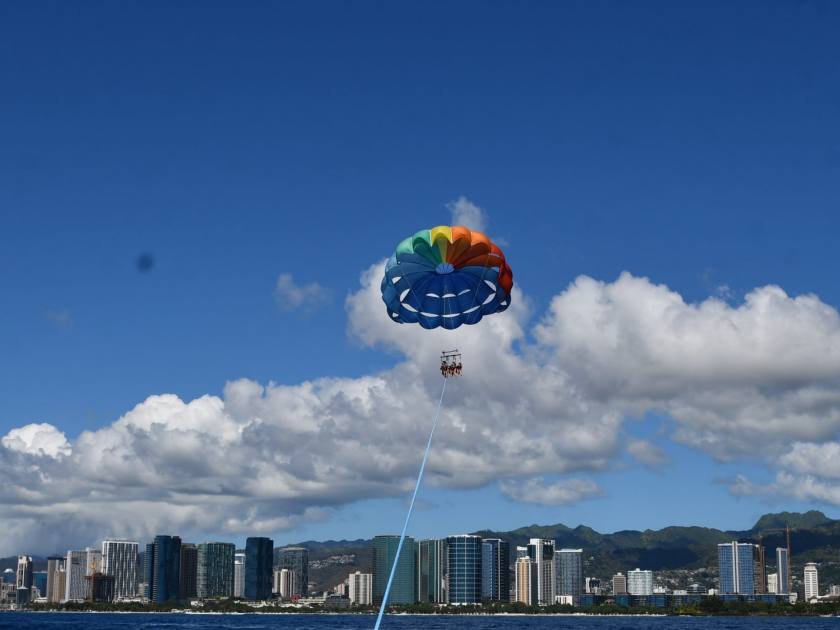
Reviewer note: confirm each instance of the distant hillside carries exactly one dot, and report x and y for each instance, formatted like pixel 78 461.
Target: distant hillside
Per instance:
pixel 794 520
pixel 815 537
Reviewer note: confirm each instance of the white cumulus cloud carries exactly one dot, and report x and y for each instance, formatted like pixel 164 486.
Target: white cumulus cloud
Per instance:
pixel 563 492
pixel 466 213
pixel 737 379
pixel 37 439
pixel 814 459
pixel 806 488
pixel 534 403
pixel 290 296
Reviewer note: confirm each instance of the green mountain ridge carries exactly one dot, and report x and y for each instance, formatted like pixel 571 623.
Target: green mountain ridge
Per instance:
pixel 796 520
pixel 814 537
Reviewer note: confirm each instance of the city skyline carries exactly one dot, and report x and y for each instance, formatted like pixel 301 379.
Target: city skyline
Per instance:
pixel 194 234
pixel 470 572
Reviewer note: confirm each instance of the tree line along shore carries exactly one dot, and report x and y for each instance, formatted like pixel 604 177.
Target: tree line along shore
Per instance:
pixel 711 606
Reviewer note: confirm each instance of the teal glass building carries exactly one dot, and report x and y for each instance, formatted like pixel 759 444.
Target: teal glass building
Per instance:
pixel 215 570
pixel 431 571
pixel 403 590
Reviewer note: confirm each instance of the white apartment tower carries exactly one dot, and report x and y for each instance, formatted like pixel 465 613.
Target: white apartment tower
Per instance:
pixel 640 582
pixel 360 588
pixel 119 558
pixel 75 568
pixel 239 575
pixel 285 583
pixel 773 583
pixel 812 583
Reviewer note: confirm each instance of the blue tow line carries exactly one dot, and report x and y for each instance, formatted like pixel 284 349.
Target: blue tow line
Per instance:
pixel 410 510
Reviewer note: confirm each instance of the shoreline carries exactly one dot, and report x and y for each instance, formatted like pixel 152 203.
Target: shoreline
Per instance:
pixel 410 614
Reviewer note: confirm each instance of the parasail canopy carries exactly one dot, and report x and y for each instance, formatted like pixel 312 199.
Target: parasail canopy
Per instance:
pixel 446 276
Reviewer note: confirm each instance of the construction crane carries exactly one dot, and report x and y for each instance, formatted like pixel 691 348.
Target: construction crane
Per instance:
pixel 761 560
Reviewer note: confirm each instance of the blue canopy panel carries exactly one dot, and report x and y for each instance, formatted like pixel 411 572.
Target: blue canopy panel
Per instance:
pixel 415 293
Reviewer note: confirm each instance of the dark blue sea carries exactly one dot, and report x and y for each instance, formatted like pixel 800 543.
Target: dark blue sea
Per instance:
pixel 129 621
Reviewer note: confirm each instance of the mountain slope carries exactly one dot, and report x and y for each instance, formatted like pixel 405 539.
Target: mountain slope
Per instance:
pixel 814 537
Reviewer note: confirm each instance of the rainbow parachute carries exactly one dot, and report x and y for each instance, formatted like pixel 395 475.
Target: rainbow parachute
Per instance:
pixel 446 276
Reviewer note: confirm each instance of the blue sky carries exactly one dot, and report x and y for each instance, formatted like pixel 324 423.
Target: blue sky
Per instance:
pixel 697 146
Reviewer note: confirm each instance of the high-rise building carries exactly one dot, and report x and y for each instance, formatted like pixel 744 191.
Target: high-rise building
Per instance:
pixel 592 585
pixel 188 572
pixel 295 559
pixel 640 582
pixel 619 584
pixel 541 551
pixel 215 570
pixel 23 577
pixel 7 590
pixel 39 583
pixel 75 586
pixel 55 579
pixel 812 582
pixel 148 570
pixel 140 575
pixel 568 566
pixel 736 564
pixel 239 574
pixel 100 587
pixel 285 584
pixel 360 588
pixel 166 569
pixel 119 559
pixel 495 570
pixel 403 590
pixel 258 562
pixel 525 581
pixel 431 571
pixel 773 583
pixel 23 595
pixel 464 569
pixel 93 561
pixel 783 570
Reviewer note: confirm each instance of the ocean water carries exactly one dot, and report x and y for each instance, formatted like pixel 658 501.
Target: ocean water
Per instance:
pixel 142 621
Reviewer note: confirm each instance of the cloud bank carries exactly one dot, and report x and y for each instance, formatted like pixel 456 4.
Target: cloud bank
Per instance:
pixel 756 379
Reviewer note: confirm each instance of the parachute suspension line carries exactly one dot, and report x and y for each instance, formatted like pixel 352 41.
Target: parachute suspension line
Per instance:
pixel 475 298
pixel 410 510
pixel 450 360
